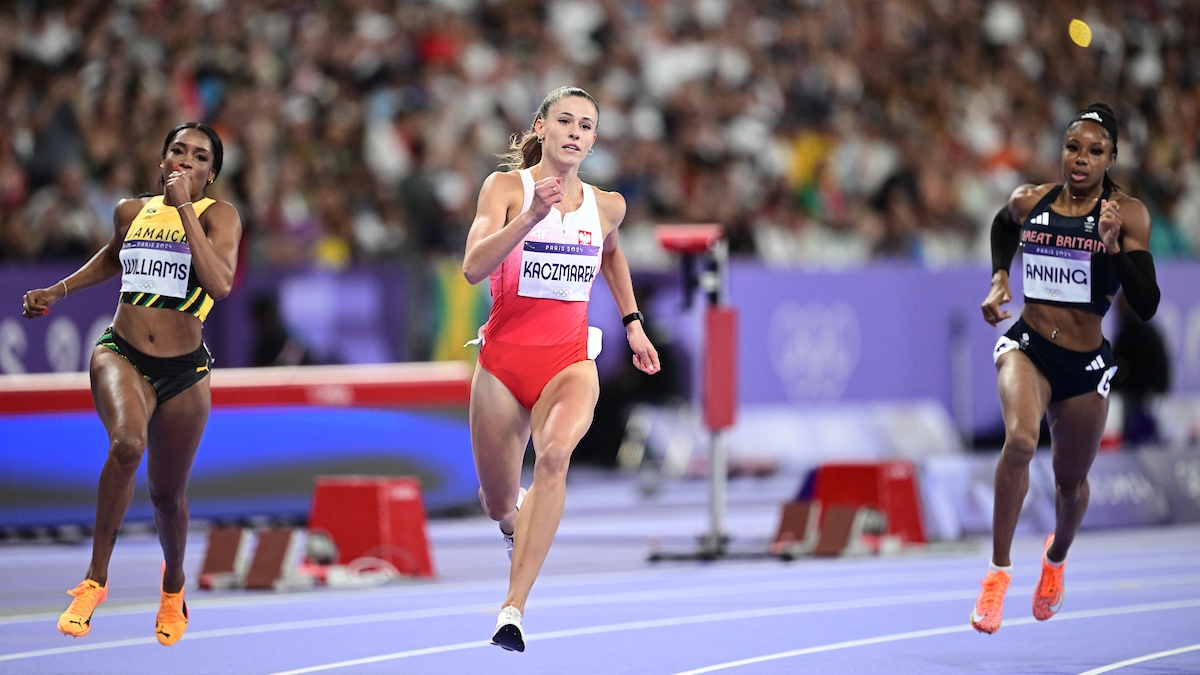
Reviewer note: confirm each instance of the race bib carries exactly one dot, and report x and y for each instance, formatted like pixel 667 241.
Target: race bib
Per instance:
pixel 1057 274
pixel 558 271
pixel 158 267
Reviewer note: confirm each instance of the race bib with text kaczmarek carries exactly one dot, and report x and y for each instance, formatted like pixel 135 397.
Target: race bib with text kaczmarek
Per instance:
pixel 558 271
pixel 158 267
pixel 1057 274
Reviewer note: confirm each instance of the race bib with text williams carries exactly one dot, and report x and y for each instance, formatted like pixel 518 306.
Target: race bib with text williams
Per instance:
pixel 558 271
pixel 159 267
pixel 1057 274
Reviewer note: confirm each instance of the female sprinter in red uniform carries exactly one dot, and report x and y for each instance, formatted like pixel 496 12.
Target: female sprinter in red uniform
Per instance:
pixel 176 254
pixel 1080 242
pixel 540 234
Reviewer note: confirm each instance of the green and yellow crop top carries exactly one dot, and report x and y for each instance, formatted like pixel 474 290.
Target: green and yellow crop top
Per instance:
pixel 156 261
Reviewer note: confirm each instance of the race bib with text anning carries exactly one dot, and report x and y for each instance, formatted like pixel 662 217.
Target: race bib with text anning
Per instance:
pixel 558 271
pixel 159 267
pixel 1057 274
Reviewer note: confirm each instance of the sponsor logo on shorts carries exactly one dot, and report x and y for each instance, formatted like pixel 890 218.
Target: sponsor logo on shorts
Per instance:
pixel 1004 345
pixel 1106 382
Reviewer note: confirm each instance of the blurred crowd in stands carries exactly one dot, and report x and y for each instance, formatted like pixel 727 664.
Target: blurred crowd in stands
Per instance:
pixel 824 133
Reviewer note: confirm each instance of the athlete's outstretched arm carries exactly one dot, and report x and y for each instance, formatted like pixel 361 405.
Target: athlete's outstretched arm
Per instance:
pixel 492 237
pixel 615 269
pixel 103 266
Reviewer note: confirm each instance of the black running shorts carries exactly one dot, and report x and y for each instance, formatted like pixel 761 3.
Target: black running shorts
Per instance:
pixel 1070 373
pixel 169 376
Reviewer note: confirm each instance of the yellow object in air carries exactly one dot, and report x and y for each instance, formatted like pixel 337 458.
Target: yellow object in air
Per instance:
pixel 1080 33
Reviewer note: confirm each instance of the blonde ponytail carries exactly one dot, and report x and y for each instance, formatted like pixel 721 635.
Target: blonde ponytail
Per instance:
pixel 524 151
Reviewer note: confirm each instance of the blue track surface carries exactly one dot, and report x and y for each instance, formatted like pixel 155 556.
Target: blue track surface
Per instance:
pixel 599 608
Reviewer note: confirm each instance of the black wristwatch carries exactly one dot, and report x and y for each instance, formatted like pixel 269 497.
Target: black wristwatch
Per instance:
pixel 636 316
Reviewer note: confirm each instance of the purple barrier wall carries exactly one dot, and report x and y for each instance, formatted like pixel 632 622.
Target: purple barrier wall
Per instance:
pixel 61 341
pixel 893 332
pixel 873 334
pixel 357 316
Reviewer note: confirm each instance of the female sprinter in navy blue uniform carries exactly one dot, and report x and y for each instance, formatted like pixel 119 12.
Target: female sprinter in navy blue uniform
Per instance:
pixel 1080 242
pixel 176 254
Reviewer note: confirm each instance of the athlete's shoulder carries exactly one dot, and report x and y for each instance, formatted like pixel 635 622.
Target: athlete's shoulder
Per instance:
pixel 127 209
pixel 611 205
pixel 503 180
pixel 503 185
pixel 1031 191
pixel 1133 211
pixel 223 209
pixel 1025 197
pixel 1125 200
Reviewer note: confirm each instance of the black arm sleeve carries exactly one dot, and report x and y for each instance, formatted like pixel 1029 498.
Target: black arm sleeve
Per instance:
pixel 1135 269
pixel 1006 238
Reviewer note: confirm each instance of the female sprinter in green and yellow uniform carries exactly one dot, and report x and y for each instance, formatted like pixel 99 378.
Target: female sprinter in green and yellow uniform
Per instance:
pixel 176 254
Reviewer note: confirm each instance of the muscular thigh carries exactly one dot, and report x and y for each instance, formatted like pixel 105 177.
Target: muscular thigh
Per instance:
pixel 564 411
pixel 499 430
pixel 1076 427
pixel 1024 392
pixel 175 433
pixel 124 399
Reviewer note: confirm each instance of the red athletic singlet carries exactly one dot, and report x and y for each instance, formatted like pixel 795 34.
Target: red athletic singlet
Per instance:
pixel 538 322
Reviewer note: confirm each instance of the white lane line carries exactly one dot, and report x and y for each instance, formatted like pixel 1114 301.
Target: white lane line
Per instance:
pixel 961 628
pixel 255 601
pixel 746 614
pixel 1141 659
pixel 848 581
pixel 54 651
pixel 474 609
pixel 262 628
pixel 390 657
pixel 611 598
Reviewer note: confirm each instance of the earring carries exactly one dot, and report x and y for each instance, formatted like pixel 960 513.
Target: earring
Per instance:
pixel 591 150
pixel 539 139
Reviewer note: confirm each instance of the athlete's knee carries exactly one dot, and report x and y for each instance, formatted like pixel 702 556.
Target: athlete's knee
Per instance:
pixel 1071 488
pixel 168 502
pixel 498 508
pixel 126 449
pixel 1020 445
pixel 552 461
